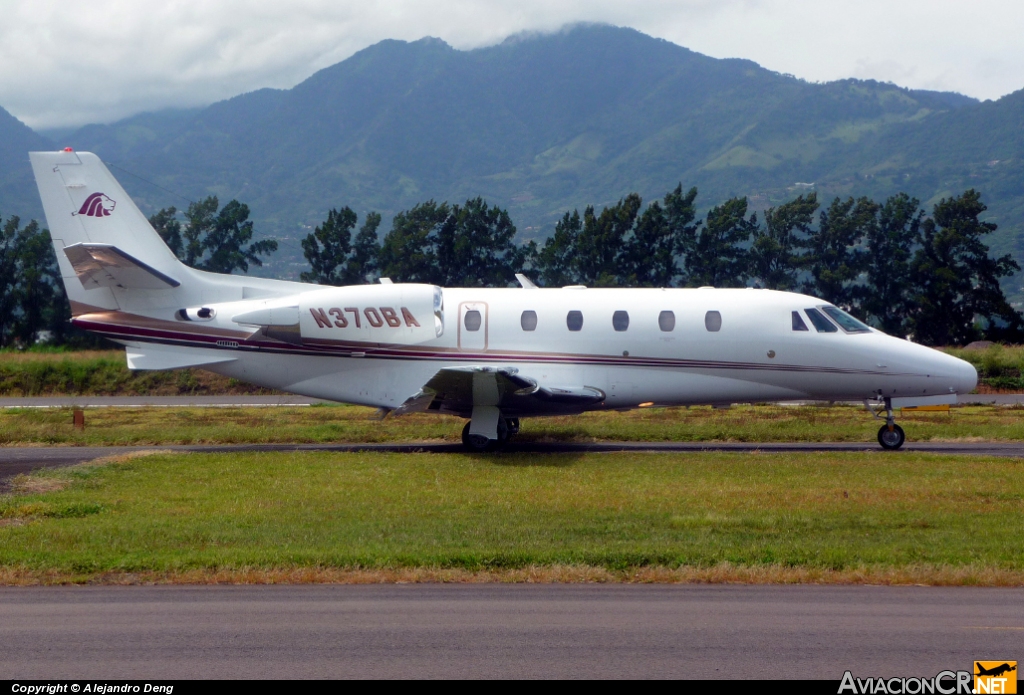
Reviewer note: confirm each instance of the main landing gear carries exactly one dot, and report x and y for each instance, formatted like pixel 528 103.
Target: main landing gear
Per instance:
pixel 508 427
pixel 890 435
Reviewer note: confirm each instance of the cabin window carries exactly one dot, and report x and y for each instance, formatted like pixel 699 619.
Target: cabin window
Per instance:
pixel 473 320
pixel 667 321
pixel 574 320
pixel 845 321
pixel 528 320
pixel 620 320
pixel 713 321
pixel 798 323
pixel 820 322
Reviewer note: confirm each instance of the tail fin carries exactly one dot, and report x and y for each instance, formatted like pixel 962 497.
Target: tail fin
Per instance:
pixel 85 205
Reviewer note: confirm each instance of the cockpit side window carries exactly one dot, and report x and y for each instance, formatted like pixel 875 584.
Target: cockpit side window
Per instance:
pixel 798 323
pixel 820 322
pixel 845 321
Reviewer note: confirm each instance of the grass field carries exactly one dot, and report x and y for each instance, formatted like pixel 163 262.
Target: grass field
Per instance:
pixel 103 373
pixel 604 517
pixel 341 424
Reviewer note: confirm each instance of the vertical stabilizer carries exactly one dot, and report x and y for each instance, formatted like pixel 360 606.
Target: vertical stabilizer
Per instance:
pixel 84 204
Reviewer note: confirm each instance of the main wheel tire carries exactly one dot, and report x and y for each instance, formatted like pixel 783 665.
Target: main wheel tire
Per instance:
pixel 512 423
pixel 477 442
pixel 891 439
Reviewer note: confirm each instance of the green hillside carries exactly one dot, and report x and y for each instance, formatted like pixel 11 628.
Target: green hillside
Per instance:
pixel 542 124
pixel 18 194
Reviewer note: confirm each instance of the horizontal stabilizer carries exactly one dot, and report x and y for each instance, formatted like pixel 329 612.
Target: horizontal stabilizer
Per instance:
pixel 103 265
pixel 148 356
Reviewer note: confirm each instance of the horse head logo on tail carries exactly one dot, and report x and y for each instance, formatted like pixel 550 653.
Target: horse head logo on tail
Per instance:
pixel 96 205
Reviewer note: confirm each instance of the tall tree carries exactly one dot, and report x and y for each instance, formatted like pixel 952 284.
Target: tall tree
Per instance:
pixel 220 242
pixel 556 262
pixel 8 277
pixel 327 248
pixel 834 257
pixel 888 293
pixel 363 263
pixel 719 255
pixel 663 234
pixel 168 226
pixel 957 282
pixel 477 247
pixel 471 245
pixel 407 253
pixel 39 295
pixel 600 244
pixel 774 252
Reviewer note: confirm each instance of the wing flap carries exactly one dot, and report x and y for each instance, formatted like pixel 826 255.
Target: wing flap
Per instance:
pixel 460 389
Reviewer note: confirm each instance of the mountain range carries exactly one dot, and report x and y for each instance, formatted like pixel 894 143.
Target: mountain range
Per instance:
pixel 541 124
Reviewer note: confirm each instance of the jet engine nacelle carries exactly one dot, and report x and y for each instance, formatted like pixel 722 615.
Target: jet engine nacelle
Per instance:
pixel 382 314
pixel 398 314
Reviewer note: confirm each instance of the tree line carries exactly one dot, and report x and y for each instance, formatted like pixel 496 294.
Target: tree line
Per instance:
pixel 904 271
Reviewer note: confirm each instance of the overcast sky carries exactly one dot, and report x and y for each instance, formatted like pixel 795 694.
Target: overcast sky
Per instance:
pixel 69 63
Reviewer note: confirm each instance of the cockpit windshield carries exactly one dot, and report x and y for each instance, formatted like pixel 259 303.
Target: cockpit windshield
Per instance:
pixel 845 321
pixel 821 324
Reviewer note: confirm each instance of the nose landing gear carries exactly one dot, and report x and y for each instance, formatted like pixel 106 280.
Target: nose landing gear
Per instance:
pixel 890 435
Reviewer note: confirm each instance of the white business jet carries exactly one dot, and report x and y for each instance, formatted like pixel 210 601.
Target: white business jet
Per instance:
pixel 490 355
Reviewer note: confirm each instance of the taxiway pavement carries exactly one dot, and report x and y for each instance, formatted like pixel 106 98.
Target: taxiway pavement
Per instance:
pixel 503 631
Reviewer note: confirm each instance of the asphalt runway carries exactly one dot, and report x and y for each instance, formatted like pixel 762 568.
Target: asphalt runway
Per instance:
pixel 15 460
pixel 503 631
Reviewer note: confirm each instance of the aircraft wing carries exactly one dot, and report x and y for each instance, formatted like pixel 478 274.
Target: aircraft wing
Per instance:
pixel 103 265
pixel 459 389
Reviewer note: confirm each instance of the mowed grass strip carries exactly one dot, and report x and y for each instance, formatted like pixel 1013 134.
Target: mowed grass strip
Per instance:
pixel 352 424
pixel 593 517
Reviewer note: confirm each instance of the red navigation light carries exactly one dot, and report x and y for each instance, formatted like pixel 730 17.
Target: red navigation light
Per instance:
pixel 68 149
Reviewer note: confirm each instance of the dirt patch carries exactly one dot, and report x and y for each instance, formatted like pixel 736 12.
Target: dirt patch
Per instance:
pixel 725 573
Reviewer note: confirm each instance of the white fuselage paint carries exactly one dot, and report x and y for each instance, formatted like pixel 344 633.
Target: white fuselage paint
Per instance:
pixel 643 364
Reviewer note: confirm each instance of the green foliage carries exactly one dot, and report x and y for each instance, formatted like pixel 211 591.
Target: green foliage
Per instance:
pixel 956 280
pixel 334 259
pixel 556 262
pixel 719 257
pixel 471 245
pixel 834 257
pixel 890 245
pixel 622 245
pixel 218 242
pixel 260 511
pixel 100 373
pixel 773 254
pixel 32 298
pixel 408 252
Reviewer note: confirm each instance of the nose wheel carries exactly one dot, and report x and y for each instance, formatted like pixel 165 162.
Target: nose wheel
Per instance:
pixel 890 435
